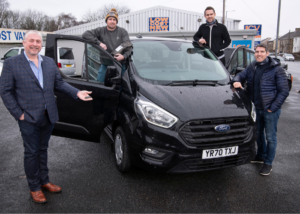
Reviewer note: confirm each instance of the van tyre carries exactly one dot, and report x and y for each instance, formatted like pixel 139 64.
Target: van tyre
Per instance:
pixel 121 150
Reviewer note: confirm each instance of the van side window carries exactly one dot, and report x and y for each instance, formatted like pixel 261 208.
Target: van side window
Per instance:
pixel 252 57
pixel 248 58
pixel 82 61
pixel 233 65
pixel 66 53
pixel 13 52
pixel 97 63
pixel 93 62
pixel 241 58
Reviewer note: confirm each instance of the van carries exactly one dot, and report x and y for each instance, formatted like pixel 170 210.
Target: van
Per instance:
pixel 65 58
pixel 172 111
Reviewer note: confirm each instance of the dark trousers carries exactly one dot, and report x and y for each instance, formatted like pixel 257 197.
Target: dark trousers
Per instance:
pixel 35 139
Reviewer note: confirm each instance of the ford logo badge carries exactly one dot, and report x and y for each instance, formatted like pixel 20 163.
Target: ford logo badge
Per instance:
pixel 222 128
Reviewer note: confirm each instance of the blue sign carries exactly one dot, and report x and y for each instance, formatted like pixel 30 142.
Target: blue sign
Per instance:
pixel 159 24
pixel 256 27
pixel 238 43
pixel 11 35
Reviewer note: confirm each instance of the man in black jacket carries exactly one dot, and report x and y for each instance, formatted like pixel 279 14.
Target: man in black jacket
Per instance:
pixel 213 34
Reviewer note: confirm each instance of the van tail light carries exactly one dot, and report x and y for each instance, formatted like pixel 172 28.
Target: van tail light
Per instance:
pixel 74 65
pixel 59 64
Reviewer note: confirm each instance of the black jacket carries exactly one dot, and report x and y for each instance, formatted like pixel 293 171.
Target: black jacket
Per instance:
pixel 220 38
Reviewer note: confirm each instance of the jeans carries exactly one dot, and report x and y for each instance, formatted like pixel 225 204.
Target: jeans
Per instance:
pixel 35 141
pixel 102 72
pixel 267 129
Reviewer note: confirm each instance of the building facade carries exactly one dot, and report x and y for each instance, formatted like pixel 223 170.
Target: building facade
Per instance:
pixel 290 42
pixel 154 19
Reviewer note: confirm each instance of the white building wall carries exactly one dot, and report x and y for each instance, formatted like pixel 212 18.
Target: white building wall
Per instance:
pixel 139 21
pixel 296 46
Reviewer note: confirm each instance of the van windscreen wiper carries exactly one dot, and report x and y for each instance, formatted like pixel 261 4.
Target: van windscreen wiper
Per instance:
pixel 194 83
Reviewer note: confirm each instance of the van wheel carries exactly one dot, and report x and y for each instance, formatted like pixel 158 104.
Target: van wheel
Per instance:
pixel 121 150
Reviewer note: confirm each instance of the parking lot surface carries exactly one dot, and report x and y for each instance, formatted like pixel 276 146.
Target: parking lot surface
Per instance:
pixel 91 183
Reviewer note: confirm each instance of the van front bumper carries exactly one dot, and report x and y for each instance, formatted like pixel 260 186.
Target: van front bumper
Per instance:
pixel 169 152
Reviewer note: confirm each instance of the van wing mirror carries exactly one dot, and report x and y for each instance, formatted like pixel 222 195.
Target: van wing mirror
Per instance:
pixel 112 76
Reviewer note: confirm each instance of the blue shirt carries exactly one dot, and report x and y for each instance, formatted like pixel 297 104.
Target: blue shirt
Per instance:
pixel 38 71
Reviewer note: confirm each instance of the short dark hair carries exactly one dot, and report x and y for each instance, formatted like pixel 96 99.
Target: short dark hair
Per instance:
pixel 209 8
pixel 262 45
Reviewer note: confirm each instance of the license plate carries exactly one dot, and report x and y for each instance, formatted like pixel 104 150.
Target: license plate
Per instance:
pixel 221 152
pixel 68 65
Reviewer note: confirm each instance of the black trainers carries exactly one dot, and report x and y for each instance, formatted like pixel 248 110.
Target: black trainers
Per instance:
pixel 257 160
pixel 266 169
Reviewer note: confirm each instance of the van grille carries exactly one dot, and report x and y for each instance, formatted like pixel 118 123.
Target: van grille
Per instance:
pixel 217 163
pixel 202 133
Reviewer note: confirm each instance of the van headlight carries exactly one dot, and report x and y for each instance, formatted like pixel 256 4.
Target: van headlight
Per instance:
pixel 253 112
pixel 152 113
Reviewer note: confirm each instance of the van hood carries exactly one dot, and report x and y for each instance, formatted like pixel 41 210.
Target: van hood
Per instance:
pixel 198 102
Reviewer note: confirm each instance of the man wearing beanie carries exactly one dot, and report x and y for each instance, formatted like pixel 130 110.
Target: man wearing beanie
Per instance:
pixel 109 38
pixel 268 88
pixel 213 34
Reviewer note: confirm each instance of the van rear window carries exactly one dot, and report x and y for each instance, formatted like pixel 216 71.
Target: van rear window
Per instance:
pixel 66 53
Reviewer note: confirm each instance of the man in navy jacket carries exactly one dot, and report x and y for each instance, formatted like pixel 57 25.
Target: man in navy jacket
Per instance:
pixel 213 34
pixel 268 87
pixel 27 89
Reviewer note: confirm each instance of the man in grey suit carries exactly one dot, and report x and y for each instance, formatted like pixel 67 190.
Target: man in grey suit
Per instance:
pixel 27 89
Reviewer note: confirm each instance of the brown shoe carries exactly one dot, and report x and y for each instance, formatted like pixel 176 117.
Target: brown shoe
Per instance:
pixel 38 197
pixel 51 188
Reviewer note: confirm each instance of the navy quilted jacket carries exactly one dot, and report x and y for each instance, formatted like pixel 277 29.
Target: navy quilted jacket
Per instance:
pixel 274 85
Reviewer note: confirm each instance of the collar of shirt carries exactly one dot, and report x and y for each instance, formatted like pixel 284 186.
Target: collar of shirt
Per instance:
pixel 39 58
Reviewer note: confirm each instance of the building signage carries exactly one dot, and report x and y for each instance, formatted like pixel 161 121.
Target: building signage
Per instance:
pixel 14 35
pixel 257 39
pixel 159 24
pixel 238 43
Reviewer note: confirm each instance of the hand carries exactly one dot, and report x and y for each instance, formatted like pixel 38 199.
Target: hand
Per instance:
pixel 119 57
pixel 103 46
pixel 269 110
pixel 22 117
pixel 84 95
pixel 237 85
pixel 202 41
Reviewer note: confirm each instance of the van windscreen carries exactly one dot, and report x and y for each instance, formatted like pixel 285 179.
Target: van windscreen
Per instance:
pixel 161 62
pixel 66 53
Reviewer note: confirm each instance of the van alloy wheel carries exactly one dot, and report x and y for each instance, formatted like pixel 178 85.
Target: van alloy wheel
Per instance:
pixel 121 150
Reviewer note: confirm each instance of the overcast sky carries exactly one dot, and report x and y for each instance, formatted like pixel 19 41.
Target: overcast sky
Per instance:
pixel 248 11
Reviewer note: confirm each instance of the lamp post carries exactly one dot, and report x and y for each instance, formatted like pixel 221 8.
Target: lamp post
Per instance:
pixel 278 21
pixel 229 11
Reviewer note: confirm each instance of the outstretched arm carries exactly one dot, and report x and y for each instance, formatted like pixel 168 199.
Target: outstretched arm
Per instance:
pixel 66 88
